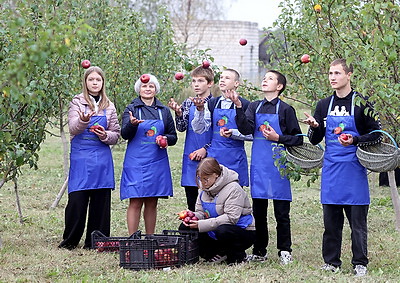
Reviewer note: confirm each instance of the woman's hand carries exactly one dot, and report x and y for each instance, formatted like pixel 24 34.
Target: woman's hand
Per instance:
pixel 85 117
pixel 134 121
pixel 100 132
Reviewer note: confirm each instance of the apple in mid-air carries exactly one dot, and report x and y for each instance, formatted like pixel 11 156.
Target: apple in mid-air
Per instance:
pixel 179 76
pixel 85 64
pixel 305 58
pixel 243 41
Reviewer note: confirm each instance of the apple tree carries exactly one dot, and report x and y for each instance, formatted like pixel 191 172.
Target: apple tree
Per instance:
pixel 366 33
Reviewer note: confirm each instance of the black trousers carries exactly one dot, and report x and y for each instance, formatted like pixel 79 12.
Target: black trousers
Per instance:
pixel 232 241
pixel 332 237
pixel 191 197
pixel 281 212
pixel 99 203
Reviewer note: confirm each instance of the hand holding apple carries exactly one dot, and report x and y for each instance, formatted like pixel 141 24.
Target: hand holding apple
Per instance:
pixel 198 154
pixel 162 141
pixel 345 139
pixel 270 134
pixel 225 132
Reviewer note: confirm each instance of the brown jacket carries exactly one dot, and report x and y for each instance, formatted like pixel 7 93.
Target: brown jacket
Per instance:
pixel 77 126
pixel 231 202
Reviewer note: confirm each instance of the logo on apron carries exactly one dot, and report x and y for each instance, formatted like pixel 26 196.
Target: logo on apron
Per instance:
pixel 223 121
pixel 206 214
pixel 263 126
pixel 151 132
pixel 338 130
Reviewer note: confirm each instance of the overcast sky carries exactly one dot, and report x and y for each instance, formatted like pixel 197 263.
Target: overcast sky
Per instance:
pixel 263 12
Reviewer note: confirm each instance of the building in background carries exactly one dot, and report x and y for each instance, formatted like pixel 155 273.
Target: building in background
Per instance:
pixel 222 37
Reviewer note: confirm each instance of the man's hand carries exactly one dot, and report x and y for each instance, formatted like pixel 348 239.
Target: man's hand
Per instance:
pixel 310 120
pixel 175 106
pixel 234 96
pixel 225 132
pixel 270 134
pixel 198 102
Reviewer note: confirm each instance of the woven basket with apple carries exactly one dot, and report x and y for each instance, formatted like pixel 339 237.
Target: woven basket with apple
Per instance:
pixel 306 156
pixel 382 157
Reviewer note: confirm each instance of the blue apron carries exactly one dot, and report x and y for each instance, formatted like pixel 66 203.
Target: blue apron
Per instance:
pixel 210 211
pixel 344 180
pixel 227 151
pixel 91 163
pixel 146 171
pixel 193 142
pixel 266 181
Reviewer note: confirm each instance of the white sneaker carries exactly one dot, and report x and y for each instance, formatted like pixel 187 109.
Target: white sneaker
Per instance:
pixel 286 257
pixel 360 270
pixel 330 267
pixel 256 258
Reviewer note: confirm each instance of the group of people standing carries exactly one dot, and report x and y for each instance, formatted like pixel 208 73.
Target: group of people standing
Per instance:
pixel 214 163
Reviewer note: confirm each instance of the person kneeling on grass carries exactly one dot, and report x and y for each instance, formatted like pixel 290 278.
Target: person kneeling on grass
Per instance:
pixel 226 226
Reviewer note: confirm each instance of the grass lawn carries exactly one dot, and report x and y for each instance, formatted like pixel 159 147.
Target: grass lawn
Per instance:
pixel 29 251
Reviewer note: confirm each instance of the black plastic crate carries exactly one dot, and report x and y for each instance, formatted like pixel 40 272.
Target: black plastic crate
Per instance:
pixel 102 243
pixel 191 239
pixel 152 251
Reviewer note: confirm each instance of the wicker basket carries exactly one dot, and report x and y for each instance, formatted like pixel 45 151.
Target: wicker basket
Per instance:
pixel 306 156
pixel 380 157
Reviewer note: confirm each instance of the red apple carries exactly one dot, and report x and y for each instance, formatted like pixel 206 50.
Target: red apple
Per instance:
pixel 179 76
pixel 95 127
pixel 163 143
pixel 243 41
pixel 344 137
pixel 194 218
pixel 191 156
pixel 206 64
pixel 190 214
pixel 145 78
pixel 182 215
pixel 85 64
pixel 305 58
pixel 186 220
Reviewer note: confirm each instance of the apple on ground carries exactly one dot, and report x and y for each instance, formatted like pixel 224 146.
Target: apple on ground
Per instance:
pixel 145 78
pixel 243 41
pixel 206 64
pixel 305 58
pixel 85 64
pixel 179 76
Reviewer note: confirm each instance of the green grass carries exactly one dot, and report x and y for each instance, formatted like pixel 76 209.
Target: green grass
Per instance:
pixel 29 251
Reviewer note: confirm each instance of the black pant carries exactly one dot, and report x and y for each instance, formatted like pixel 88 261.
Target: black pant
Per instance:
pixel 99 202
pixel 232 241
pixel 281 211
pixel 332 238
pixel 191 197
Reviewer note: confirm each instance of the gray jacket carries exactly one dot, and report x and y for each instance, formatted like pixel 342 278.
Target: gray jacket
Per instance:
pixel 231 202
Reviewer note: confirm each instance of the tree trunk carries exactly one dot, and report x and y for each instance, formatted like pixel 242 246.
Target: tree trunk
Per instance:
pixel 60 194
pixel 395 198
pixel 21 218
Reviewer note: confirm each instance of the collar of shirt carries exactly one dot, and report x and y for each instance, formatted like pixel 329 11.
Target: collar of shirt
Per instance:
pixel 226 103
pixel 273 101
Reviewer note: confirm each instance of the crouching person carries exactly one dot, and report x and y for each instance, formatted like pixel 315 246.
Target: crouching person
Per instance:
pixel 226 225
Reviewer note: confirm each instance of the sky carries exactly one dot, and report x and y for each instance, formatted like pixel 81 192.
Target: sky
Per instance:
pixel 263 12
